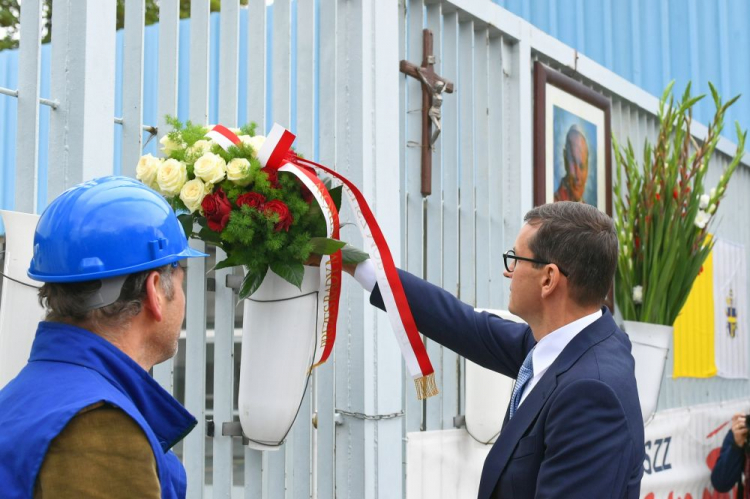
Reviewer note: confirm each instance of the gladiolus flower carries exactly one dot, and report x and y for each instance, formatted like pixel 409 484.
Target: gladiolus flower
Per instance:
pixel 704 200
pixel 638 295
pixel 701 219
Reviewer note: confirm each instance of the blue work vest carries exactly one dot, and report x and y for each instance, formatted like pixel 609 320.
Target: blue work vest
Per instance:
pixel 69 369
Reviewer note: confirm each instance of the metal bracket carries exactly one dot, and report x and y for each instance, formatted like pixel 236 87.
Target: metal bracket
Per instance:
pixel 234 429
pixel 459 421
pixel 234 281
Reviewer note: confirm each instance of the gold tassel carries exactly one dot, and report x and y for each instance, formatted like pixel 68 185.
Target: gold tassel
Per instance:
pixel 426 386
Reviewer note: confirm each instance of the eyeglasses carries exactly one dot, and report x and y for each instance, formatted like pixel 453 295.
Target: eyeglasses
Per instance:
pixel 510 259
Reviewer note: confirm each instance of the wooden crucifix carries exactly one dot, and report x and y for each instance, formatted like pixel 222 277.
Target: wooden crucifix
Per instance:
pixel 433 87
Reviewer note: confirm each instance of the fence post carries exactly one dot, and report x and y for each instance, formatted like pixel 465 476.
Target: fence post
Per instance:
pixel 27 140
pixel 83 82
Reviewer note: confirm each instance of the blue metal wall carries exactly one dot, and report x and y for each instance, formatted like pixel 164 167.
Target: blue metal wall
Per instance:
pixel 651 42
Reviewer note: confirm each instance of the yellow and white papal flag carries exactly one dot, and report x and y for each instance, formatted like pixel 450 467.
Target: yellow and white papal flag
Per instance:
pixel 730 309
pixel 710 334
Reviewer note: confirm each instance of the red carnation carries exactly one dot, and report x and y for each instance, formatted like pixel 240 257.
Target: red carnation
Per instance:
pixel 216 208
pixel 251 199
pixel 273 176
pixel 281 209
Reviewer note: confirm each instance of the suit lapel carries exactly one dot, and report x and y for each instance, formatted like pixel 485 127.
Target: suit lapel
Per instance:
pixel 528 411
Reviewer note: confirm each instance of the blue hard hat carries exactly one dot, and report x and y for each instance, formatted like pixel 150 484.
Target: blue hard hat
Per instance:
pixel 107 227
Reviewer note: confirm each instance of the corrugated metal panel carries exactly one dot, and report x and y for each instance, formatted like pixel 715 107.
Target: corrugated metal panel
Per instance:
pixel 652 42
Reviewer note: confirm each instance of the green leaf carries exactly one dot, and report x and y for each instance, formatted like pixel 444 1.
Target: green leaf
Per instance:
pixel 325 246
pixel 230 261
pixel 350 254
pixel 186 220
pixel 252 281
pixel 290 272
pixel 209 236
pixel 336 196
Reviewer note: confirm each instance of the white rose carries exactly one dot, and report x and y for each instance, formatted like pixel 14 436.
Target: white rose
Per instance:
pixel 200 147
pixel 210 168
pixel 701 219
pixel 238 171
pixel 192 194
pixel 256 141
pixel 169 145
pixel 171 177
pixel 638 295
pixel 147 168
pixel 704 200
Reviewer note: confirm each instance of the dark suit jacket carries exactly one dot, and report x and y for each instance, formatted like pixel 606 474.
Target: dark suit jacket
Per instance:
pixel 578 433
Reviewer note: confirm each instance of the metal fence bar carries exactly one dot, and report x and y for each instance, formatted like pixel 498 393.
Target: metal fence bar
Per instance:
pixel 27 138
pixel 300 449
pixel 324 376
pixel 256 64
pixel 276 475
pixel 223 382
pixel 467 270
pixel 224 403
pixel 449 238
pixel 414 230
pixel 194 447
pixel 433 253
pixel 199 50
pixel 132 73
pixel 382 453
pixel 496 202
pixel 229 33
pixel 169 39
pixel 482 166
pixel 198 113
pixel 82 143
pixel 169 18
pixel 256 112
pixel 350 436
pixel 282 62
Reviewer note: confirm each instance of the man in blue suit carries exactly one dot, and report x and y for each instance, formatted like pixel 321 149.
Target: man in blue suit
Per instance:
pixel 574 427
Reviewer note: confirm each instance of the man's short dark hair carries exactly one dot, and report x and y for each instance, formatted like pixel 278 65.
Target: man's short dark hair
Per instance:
pixel 580 239
pixel 66 301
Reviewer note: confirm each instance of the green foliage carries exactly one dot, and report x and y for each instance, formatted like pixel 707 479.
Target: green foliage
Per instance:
pixel 663 212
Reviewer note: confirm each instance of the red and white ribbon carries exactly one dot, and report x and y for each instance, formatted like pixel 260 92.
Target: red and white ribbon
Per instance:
pixel 274 154
pixel 397 307
pixel 391 289
pixel 223 136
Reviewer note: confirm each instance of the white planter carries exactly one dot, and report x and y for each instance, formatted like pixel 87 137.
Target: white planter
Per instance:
pixel 650 349
pixel 278 344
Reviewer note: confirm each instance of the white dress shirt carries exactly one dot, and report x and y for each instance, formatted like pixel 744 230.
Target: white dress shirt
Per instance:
pixel 550 347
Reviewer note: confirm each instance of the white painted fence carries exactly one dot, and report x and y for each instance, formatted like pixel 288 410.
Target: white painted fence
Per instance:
pixel 334 69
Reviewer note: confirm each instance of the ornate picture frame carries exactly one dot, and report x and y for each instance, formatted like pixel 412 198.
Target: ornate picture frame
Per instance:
pixel 572 141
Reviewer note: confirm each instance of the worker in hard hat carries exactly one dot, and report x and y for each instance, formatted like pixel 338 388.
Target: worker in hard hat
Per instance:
pixel 84 418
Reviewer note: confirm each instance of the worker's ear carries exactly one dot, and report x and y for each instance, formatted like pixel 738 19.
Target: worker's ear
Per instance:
pixel 154 300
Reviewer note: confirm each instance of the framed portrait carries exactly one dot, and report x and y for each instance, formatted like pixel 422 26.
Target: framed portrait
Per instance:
pixel 572 141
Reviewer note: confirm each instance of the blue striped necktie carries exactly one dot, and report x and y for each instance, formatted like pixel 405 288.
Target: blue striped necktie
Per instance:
pixel 524 376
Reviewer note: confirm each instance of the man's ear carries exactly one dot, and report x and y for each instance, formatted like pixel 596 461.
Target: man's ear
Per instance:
pixel 154 300
pixel 550 280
